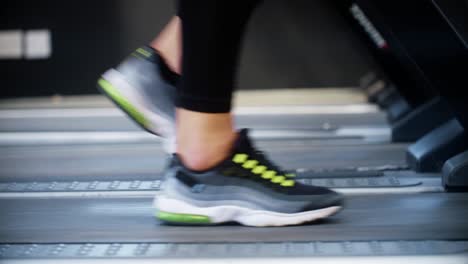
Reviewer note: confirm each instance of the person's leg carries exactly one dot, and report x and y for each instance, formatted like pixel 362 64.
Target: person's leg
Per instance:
pixel 217 175
pixel 244 186
pixel 169 44
pixel 212 34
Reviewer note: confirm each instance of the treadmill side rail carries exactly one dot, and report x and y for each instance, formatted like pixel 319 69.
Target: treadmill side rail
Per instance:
pixel 398 109
pixel 421 121
pixel 455 172
pixel 430 152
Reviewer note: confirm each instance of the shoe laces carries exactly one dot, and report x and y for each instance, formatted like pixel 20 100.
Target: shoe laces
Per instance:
pixel 260 165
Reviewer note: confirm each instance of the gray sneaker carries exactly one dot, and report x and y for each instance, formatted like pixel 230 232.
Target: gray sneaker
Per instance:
pixel 245 188
pixel 144 88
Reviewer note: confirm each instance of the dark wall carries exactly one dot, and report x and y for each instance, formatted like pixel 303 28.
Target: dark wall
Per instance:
pixel 85 36
pixel 302 43
pixel 296 43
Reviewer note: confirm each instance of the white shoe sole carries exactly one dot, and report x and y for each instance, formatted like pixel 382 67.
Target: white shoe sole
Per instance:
pixel 177 211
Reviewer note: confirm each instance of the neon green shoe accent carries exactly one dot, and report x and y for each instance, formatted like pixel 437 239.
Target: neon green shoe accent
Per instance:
pixel 278 179
pixel 259 169
pixel 136 55
pixel 250 164
pixel 119 98
pixel 268 174
pixel 143 52
pixel 240 158
pixel 183 218
pixel 290 175
pixel 288 183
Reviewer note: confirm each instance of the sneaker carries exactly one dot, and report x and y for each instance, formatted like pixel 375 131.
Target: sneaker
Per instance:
pixel 143 86
pixel 245 188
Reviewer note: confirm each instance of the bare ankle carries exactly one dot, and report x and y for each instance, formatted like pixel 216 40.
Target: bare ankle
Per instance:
pixel 202 156
pixel 169 44
pixel 204 140
pixel 199 161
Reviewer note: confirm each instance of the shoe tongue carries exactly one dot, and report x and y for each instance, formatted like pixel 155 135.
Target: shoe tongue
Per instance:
pixel 243 142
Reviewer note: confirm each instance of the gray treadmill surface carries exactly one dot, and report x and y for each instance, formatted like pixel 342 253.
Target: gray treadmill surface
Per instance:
pixel 144 161
pixel 437 216
pixel 122 123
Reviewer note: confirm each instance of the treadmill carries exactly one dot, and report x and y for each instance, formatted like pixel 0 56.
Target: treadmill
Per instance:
pixel 86 144
pixel 102 222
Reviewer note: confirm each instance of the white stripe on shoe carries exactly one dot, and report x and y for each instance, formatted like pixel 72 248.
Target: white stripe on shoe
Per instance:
pixel 242 215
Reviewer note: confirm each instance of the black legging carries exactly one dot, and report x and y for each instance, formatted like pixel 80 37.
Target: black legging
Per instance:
pixel 212 31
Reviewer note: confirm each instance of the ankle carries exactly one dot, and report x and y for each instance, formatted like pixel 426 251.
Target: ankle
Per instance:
pixel 171 60
pixel 202 154
pixel 200 160
pixel 204 140
pixel 169 45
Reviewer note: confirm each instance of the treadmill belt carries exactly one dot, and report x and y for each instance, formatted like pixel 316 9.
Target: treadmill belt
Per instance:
pixel 432 216
pixel 146 161
pixel 66 252
pixel 120 122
